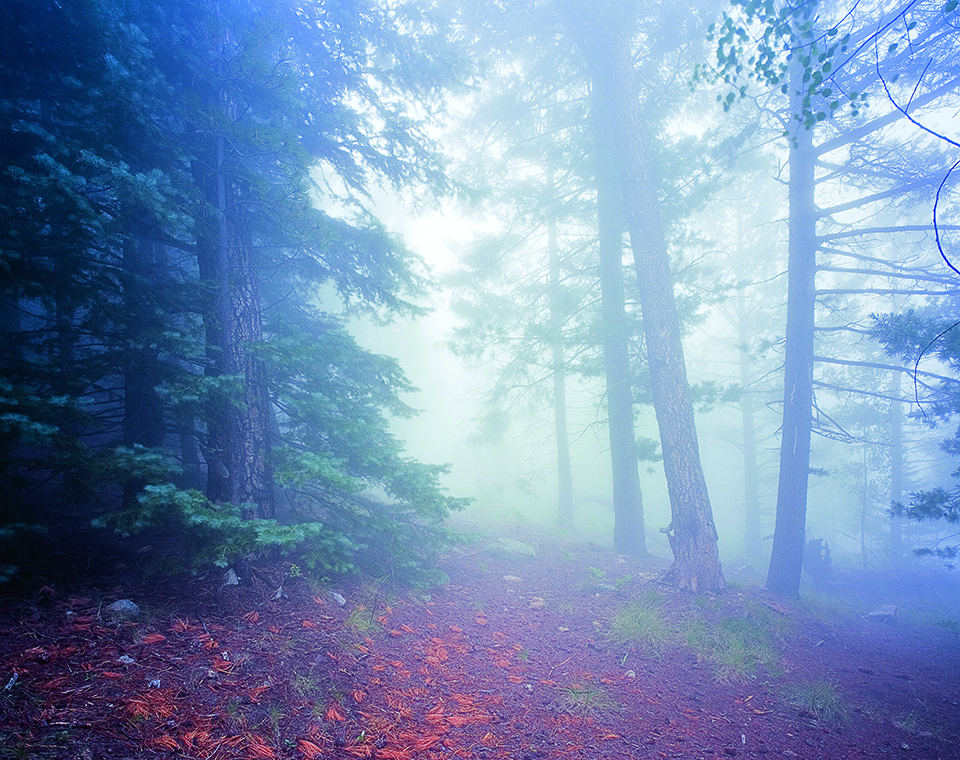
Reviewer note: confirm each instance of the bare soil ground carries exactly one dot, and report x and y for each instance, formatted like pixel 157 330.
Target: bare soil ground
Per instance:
pixel 512 659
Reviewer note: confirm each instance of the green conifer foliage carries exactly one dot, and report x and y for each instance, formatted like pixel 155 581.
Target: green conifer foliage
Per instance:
pixel 167 364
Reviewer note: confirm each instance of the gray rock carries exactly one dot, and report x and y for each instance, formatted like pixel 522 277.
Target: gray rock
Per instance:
pixel 884 612
pixel 121 610
pixel 509 548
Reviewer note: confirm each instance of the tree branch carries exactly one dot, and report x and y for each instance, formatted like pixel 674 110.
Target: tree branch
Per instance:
pixel 886 230
pixel 855 134
pixel 915 276
pixel 887 367
pixel 885 292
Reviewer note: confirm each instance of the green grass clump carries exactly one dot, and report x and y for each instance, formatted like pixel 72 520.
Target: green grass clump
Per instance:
pixel 738 646
pixel 587 700
pixel 361 620
pixel 641 623
pixel 821 699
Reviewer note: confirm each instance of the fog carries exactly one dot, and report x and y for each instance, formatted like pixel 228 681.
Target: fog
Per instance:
pixel 513 481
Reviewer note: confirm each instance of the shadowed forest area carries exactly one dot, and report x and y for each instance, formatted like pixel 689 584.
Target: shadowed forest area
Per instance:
pixel 496 379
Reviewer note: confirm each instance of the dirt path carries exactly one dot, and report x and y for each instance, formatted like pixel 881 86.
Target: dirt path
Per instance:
pixel 513 658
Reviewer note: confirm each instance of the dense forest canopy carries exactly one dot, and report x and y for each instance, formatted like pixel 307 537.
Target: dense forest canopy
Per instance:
pixel 168 365
pixel 724 218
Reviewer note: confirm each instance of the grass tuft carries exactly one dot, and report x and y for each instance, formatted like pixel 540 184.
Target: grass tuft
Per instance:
pixel 821 699
pixel 360 620
pixel 740 647
pixel 587 700
pixel 641 623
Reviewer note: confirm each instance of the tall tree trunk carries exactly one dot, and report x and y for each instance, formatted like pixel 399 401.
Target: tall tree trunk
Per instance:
pixel 786 560
pixel 752 540
pixel 619 126
pixel 896 466
pixel 143 419
pixel 558 361
pixel 237 449
pixel 213 444
pixel 628 532
pixel 248 457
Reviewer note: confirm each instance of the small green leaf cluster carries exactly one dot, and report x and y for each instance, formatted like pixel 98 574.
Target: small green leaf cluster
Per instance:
pixel 756 42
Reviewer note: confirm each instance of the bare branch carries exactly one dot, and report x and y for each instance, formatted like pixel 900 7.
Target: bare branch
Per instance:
pixel 886 230
pixel 885 292
pixel 886 367
pixel 904 275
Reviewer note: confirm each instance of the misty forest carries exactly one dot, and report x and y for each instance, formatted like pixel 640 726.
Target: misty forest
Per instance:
pixel 496 379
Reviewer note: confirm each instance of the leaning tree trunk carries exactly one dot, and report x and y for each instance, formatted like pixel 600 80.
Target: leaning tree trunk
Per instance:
pixel 619 124
pixel 786 559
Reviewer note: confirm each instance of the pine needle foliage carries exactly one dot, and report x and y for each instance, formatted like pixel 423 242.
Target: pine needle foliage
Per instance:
pixel 166 363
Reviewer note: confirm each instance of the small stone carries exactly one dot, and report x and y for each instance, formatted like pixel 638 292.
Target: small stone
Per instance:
pixel 508 548
pixel 122 609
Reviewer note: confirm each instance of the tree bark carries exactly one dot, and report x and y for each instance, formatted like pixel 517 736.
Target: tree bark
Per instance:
pixel 786 560
pixel 619 125
pixel 237 448
pixel 248 451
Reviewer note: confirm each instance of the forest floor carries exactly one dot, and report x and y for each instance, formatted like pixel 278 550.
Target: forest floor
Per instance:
pixel 576 653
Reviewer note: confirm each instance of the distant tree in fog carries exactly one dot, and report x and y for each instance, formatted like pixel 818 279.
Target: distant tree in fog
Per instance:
pixel 530 292
pixel 628 185
pixel 826 59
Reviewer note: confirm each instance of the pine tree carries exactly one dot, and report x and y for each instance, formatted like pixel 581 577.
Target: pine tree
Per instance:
pixel 167 254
